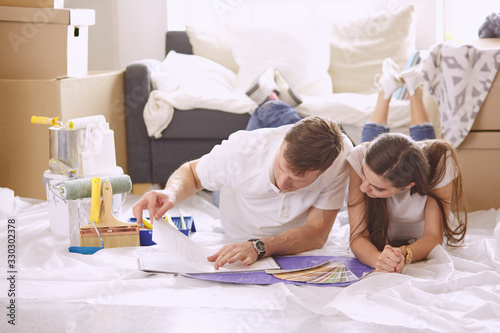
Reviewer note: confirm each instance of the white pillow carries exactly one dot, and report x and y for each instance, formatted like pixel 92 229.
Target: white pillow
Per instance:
pixel 212 44
pixel 300 50
pixel 359 47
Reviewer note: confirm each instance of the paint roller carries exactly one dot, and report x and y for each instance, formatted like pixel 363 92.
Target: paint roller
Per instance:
pixel 83 122
pixel 82 187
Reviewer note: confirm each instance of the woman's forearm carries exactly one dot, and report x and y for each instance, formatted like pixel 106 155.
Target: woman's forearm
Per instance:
pixel 365 251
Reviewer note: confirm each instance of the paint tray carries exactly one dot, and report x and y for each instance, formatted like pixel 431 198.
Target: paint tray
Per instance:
pixel 146 235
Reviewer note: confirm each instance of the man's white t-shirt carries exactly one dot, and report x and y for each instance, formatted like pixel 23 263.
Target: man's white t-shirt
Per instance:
pixel 250 203
pixel 406 210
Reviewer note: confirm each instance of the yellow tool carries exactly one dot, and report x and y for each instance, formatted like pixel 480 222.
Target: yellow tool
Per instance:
pixel 147 224
pixel 183 222
pixel 46 121
pixel 169 220
pixel 61 168
pixel 95 200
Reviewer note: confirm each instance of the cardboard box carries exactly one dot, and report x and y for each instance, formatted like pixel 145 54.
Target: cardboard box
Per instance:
pixel 479 157
pixel 33 3
pixel 488 117
pixel 24 147
pixel 44 43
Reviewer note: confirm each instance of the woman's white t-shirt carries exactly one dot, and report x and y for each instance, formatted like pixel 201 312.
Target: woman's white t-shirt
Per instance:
pixel 406 210
pixel 250 203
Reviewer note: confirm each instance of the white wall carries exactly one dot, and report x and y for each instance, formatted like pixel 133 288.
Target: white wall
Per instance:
pixel 216 13
pixel 129 30
pixel 125 31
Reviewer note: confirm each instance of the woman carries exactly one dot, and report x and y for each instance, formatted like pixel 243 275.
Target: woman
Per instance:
pixel 402 188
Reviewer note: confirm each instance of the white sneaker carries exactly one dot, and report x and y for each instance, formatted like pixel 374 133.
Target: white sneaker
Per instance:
pixel 390 81
pixel 412 79
pixel 262 87
pixel 286 91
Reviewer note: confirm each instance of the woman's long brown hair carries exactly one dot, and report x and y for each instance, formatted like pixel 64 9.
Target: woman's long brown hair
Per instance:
pixel 397 158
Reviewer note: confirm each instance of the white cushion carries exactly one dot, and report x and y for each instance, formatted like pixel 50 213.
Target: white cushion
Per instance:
pixel 212 44
pixel 358 47
pixel 300 50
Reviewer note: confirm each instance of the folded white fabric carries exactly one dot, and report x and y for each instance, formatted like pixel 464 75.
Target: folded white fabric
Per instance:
pixel 158 113
pixel 10 205
pixel 459 77
pixel 186 82
pixel 6 202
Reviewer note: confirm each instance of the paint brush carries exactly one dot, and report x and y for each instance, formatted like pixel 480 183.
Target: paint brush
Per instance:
pixel 113 233
pixel 183 222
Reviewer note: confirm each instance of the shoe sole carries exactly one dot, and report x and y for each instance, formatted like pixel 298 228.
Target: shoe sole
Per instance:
pixel 285 88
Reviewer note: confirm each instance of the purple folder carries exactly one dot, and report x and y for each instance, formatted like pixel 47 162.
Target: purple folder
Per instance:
pixel 289 262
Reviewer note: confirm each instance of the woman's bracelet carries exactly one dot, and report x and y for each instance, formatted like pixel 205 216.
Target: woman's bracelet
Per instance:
pixel 409 255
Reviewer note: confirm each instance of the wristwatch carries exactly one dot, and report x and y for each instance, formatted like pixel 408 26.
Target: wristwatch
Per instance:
pixel 259 247
pixel 409 255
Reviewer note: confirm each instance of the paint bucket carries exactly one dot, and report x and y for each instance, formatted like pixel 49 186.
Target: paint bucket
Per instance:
pixel 58 207
pixel 67 216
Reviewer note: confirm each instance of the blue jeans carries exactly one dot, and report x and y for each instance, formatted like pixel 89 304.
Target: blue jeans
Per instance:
pixel 273 113
pixel 418 132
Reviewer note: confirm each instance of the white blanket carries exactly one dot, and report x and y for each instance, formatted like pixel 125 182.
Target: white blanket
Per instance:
pixel 459 77
pixel 186 82
pixel 455 290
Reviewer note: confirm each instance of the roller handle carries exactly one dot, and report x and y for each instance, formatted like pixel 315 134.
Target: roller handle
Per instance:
pixel 45 120
pixel 95 200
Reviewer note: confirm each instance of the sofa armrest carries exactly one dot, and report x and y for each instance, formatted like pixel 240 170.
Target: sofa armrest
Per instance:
pixel 137 89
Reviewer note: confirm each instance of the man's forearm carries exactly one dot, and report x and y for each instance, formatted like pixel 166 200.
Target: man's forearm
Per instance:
pixel 293 241
pixel 313 235
pixel 183 183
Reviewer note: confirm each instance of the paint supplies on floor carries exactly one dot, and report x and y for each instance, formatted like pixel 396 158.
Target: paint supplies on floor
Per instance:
pixel 105 230
pixel 80 149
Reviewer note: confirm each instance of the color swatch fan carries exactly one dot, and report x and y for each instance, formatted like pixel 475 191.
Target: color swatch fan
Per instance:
pixel 328 272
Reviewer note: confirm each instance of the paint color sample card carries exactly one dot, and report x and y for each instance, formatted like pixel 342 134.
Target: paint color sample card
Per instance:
pixel 330 272
pixel 292 264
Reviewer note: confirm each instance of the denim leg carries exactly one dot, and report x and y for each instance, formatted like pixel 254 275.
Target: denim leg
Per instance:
pixel 273 113
pixel 423 131
pixel 216 198
pixel 371 130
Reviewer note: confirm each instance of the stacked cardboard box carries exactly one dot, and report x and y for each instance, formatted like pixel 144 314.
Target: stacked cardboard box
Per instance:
pixel 479 153
pixel 43 72
pixel 33 3
pixel 44 43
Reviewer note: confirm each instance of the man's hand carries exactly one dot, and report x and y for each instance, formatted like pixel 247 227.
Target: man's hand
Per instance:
pixel 390 260
pixel 158 203
pixel 229 254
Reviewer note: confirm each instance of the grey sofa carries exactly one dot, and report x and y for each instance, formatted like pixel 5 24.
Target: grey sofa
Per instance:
pixel 190 135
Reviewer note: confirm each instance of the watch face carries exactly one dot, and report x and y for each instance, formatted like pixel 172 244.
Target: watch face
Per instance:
pixel 260 245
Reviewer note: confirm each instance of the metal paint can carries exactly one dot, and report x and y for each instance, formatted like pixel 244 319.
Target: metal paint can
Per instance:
pixel 66 145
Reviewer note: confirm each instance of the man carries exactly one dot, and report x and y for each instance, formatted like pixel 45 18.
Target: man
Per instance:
pixel 284 185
